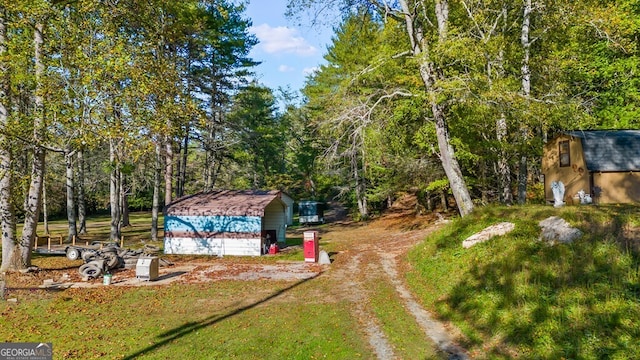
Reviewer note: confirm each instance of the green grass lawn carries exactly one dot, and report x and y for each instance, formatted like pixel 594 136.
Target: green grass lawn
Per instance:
pixel 226 319
pixel 517 297
pixel 217 320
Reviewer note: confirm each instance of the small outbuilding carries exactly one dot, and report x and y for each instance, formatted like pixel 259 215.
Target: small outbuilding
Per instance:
pixel 602 163
pixel 225 222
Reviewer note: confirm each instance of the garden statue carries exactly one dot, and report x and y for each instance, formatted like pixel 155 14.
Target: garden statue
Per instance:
pixel 557 187
pixel 584 197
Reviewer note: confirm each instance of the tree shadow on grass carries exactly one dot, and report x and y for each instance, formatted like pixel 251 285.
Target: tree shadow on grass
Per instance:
pixel 561 301
pixel 190 327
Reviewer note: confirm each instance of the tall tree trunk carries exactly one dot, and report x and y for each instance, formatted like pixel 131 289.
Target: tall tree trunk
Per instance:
pixel 207 171
pixel 214 170
pixel 526 91
pixel 34 197
pixel 450 163
pixel 484 181
pixel 360 190
pixel 429 74
pixel 178 188
pixel 214 159
pixel 114 191
pixel 71 201
pixel 82 208
pixel 504 172
pixel 360 175
pixel 168 171
pixel 443 201
pixel 45 213
pixel 182 172
pixel 156 195
pixel 124 201
pixel 7 213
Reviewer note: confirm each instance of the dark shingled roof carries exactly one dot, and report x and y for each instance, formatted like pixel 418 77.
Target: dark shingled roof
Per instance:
pixel 610 150
pixel 223 203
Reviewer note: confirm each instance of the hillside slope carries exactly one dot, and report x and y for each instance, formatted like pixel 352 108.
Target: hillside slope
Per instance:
pixel 515 296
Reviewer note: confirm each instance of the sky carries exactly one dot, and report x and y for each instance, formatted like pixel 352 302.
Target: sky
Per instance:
pixel 288 52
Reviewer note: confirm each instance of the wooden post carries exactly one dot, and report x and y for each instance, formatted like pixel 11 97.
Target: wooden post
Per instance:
pixel 49 243
pixel 35 246
pixel 122 241
pixel 73 240
pixel 60 239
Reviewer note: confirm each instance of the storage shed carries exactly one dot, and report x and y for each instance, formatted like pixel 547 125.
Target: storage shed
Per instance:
pixel 603 163
pixel 225 222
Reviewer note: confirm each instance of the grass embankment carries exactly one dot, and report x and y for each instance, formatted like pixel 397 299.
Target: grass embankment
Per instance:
pixel 514 296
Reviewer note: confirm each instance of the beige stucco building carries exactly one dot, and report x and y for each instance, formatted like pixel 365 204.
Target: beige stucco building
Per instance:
pixel 603 163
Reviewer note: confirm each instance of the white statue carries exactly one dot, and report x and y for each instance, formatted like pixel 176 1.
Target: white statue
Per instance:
pixel 557 187
pixel 584 197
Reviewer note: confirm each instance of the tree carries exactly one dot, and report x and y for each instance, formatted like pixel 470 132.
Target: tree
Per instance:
pixel 432 74
pixel 34 197
pixel 82 205
pixel 7 215
pixel 426 26
pixel 219 69
pixel 340 104
pixel 106 80
pixel 260 142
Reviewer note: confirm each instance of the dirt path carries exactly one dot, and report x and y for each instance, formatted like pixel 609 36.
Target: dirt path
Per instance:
pixel 377 251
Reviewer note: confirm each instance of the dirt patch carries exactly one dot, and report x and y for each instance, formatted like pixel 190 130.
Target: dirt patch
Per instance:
pixel 185 273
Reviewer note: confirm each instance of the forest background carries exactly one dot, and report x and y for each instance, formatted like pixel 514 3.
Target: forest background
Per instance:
pixel 107 105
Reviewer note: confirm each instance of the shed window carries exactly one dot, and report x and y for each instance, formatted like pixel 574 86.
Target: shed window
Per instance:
pixel 565 158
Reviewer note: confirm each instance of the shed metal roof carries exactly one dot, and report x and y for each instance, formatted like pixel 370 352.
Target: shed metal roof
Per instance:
pixel 610 150
pixel 224 203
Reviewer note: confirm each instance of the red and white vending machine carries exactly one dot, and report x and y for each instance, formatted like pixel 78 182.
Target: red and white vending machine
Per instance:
pixel 310 245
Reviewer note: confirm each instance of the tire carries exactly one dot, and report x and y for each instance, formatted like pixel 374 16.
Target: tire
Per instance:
pixel 88 255
pixel 109 250
pixel 112 262
pixel 73 253
pixel 89 271
pixel 99 263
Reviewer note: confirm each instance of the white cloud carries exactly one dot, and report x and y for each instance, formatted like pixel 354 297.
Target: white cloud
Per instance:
pixel 285 68
pixel 310 70
pixel 282 39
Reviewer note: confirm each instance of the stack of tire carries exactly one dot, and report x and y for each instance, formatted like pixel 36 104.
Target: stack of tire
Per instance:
pixel 98 262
